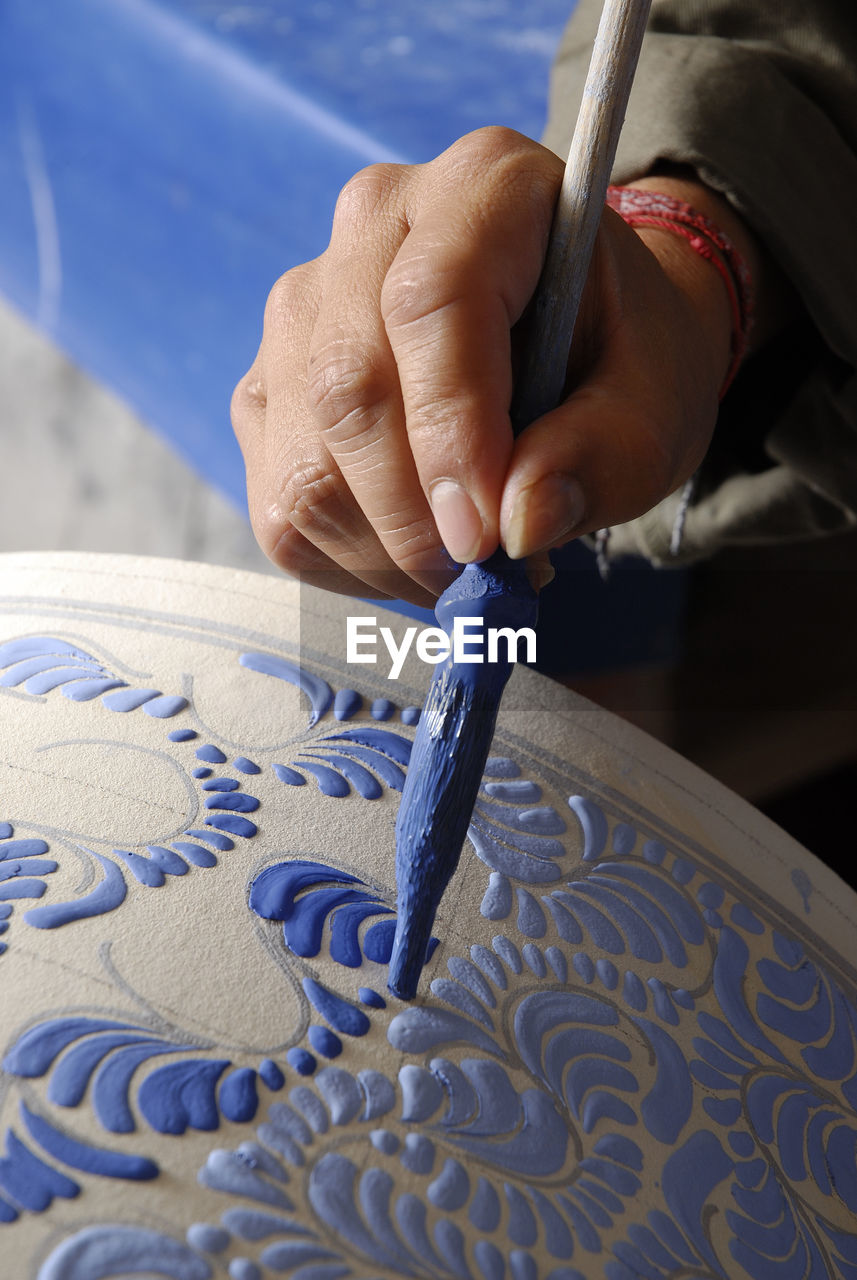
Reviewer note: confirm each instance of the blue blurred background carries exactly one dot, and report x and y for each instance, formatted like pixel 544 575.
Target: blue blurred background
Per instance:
pixel 162 162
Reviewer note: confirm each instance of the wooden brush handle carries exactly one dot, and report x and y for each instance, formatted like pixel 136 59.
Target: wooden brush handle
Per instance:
pixel 553 310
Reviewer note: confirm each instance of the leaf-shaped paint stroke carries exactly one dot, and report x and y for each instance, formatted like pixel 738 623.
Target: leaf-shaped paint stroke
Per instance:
pixel 106 896
pixel 511 832
pixel 304 895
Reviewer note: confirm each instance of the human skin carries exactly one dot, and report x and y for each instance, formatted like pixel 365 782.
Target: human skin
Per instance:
pixel 374 421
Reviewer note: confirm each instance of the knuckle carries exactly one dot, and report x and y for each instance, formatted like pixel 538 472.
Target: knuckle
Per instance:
pixel 362 194
pixel 313 498
pixel 344 384
pixel 287 297
pixel 249 397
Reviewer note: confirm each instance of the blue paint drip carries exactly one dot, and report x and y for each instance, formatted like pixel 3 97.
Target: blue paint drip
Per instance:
pixel 382 709
pixel 361 779
pixel 146 870
pixel 125 700
pixel 201 773
pixel 105 897
pixel 210 753
pixel 271 1074
pixel 449 754
pixel 28 1181
pixel 330 783
pixel 341 1015
pixel 301 1061
pixel 243 765
pixel 221 784
pixel 165 707
pixel 324 1041
pixel 318 691
pixel 238 1097
pixel 208 1239
pixel 234 824
pixel 290 777
pixel 593 824
pixel 100 1253
pixel 83 1156
pixel 387 770
pixel 195 853
pixel 346 704
pixel 371 998
pixel 86 690
pixel 233 801
pixel 23 849
pixel 182 735
pixel 411 715
pixel 214 838
pixel 6 830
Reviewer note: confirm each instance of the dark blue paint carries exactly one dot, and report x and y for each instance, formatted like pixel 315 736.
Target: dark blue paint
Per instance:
pixel 238 1097
pixel 341 1015
pixel 30 1182
pixel 181 1096
pixel 289 776
pixel 235 801
pixel 83 1156
pixel 361 779
pixel 346 704
pixel 302 1061
pixel 271 1074
pixel 449 755
pixel 371 998
pixel 325 1042
pixel 234 824
pixel 330 783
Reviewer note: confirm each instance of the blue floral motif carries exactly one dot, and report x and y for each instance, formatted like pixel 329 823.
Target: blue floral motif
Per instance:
pixel 42 663
pixel 103 1056
pixel 530 1072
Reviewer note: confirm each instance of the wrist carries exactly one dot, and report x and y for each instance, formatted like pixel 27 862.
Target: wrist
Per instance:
pixel 675 219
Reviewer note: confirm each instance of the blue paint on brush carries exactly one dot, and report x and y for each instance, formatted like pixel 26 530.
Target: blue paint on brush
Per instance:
pixel 448 756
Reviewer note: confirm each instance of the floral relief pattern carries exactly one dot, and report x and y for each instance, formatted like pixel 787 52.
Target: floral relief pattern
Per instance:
pixel 632 1071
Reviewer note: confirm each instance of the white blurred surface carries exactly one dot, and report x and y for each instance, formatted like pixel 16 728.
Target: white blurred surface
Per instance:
pixel 81 472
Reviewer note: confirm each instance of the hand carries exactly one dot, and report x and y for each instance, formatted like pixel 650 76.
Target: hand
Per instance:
pixel 374 420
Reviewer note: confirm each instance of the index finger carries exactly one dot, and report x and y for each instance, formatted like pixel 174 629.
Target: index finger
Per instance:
pixel 457 285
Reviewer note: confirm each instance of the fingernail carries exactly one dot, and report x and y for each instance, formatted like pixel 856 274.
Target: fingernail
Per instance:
pixel 457 519
pixel 540 573
pixel 545 514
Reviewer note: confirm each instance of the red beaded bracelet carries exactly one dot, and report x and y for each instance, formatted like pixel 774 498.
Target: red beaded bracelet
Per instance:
pixel 641 208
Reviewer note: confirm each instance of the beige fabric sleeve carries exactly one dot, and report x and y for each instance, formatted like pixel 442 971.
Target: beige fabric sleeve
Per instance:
pixel 760 97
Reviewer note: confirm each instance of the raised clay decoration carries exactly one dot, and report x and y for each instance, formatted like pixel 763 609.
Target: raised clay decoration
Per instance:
pixel 634 1049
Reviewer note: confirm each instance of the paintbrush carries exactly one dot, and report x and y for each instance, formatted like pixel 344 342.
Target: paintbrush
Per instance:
pixel 457 724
